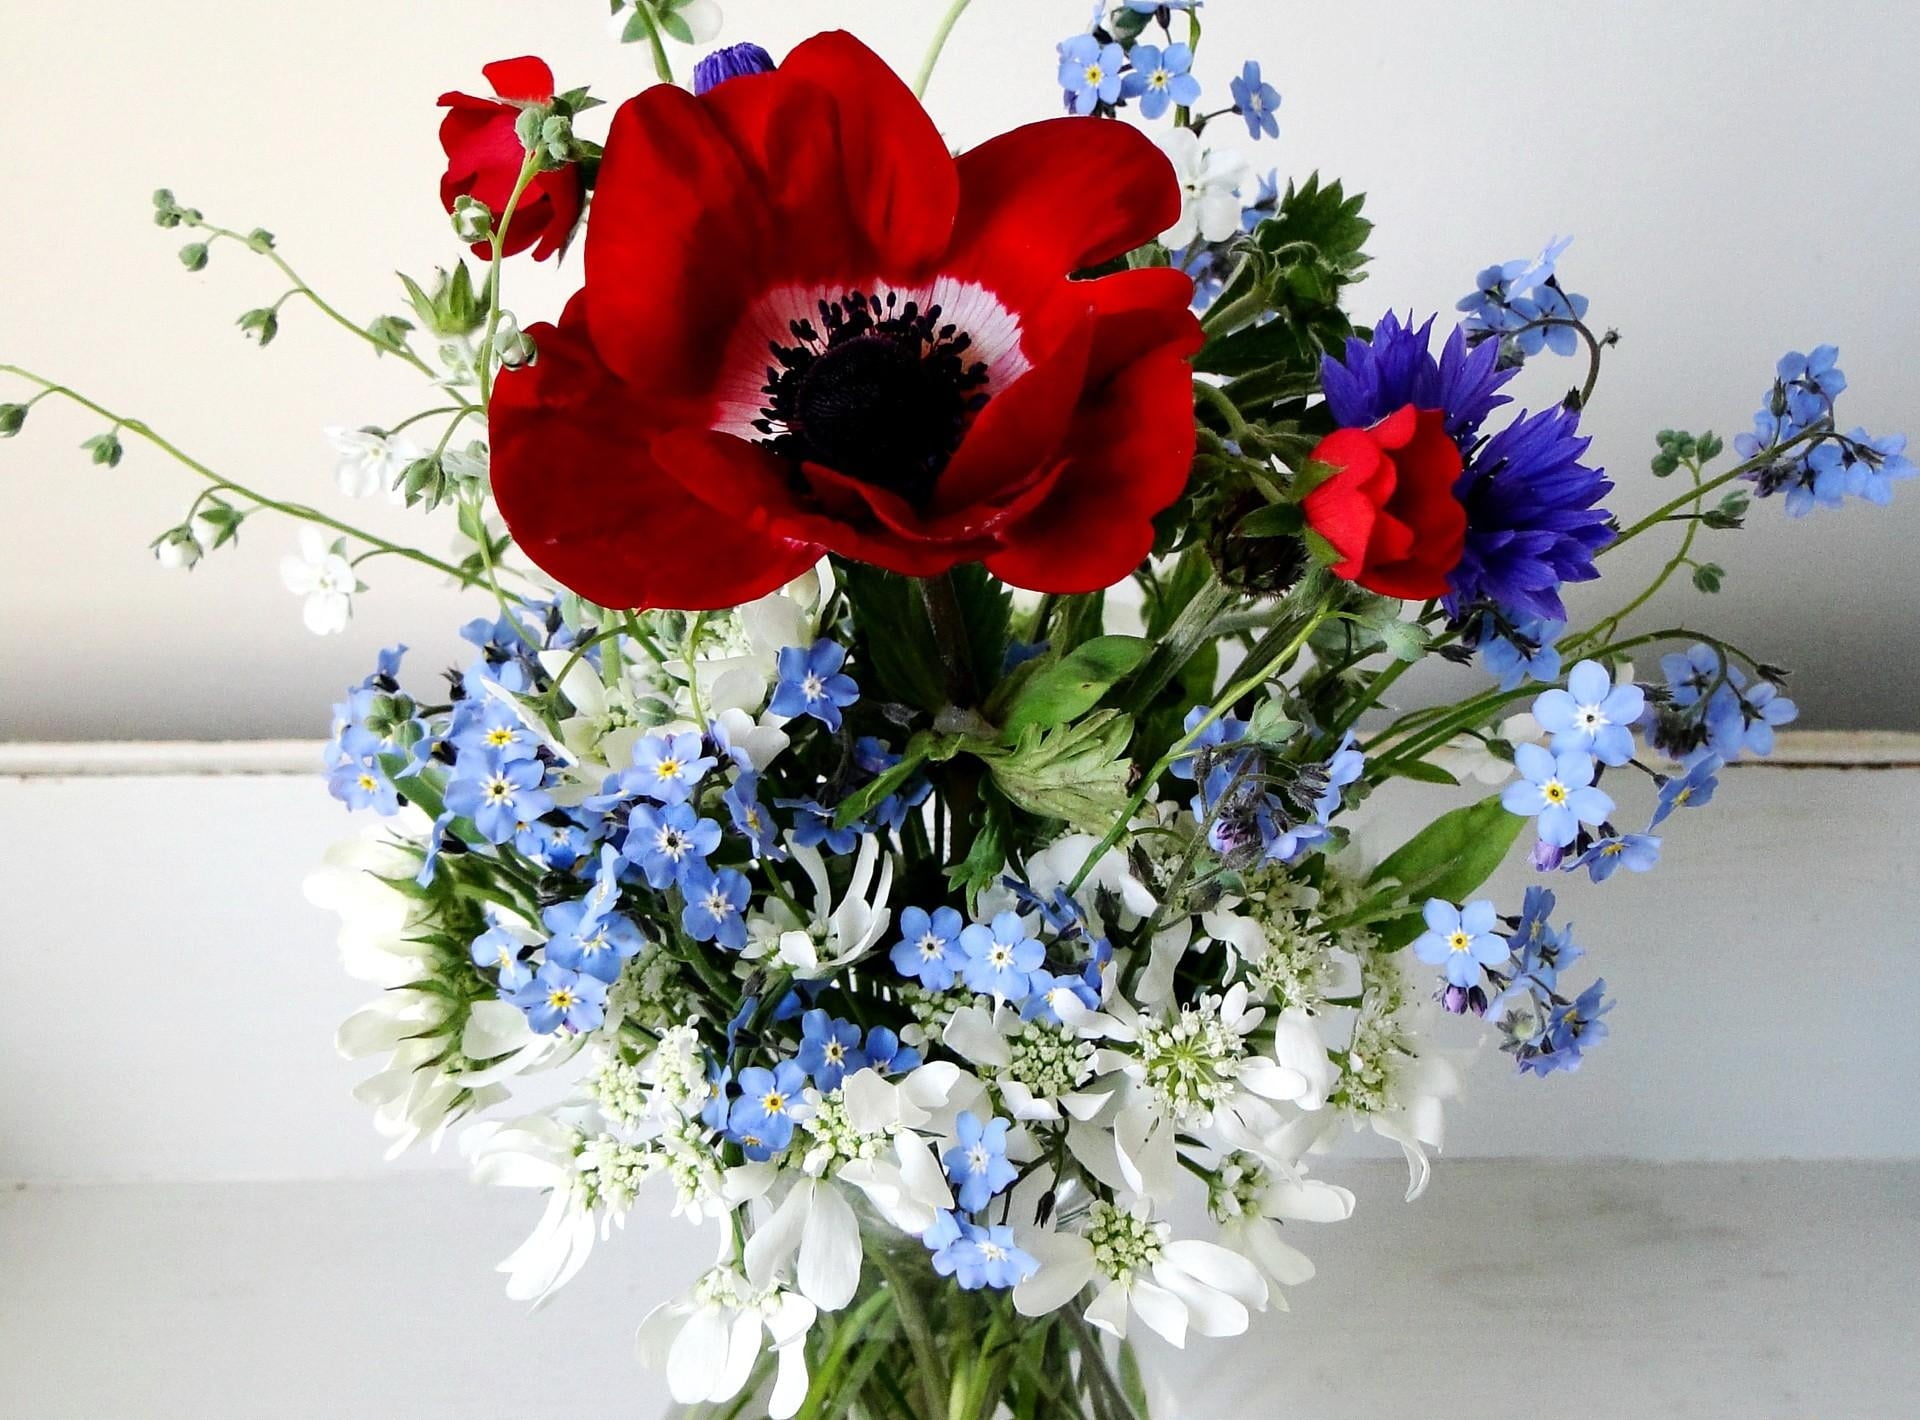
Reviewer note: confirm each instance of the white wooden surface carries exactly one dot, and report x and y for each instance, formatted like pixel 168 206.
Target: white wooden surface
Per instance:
pixel 1607 1291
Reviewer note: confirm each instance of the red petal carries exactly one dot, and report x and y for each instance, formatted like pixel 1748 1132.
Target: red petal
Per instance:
pixel 1056 197
pixel 1129 455
pixel 678 242
pixel 1344 508
pixel 526 79
pixel 902 186
pixel 583 498
pixel 1020 431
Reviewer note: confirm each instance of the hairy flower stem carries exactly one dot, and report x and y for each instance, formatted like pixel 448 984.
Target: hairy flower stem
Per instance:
pixel 222 483
pixel 950 637
pixel 483 366
pixel 939 42
pixel 1269 655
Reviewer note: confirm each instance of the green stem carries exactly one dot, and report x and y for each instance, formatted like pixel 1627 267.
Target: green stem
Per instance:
pixel 662 63
pixel 221 482
pixel 1265 661
pixel 484 365
pixel 945 28
pixel 1213 395
pixel 1759 460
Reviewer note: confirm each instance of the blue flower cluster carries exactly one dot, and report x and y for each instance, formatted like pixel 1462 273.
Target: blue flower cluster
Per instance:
pixel 1711 710
pixel 1543 1030
pixel 1255 808
pixel 1111 66
pixel 1009 957
pixel 1521 308
pixel 1824 470
pixel 973 1252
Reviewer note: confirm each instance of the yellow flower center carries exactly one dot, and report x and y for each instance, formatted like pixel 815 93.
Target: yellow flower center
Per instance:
pixel 1459 941
pixel 1554 792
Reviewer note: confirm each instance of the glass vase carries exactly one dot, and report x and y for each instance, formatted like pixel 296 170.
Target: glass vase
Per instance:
pixel 913 1346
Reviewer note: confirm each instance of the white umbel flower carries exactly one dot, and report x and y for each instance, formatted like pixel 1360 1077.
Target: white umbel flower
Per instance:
pixel 537 1152
pixel 1210 180
pixel 322 576
pixel 838 935
pixel 709 1341
pixel 1137 1267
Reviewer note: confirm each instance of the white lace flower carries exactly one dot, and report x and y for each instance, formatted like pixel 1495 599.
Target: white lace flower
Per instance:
pixel 1249 1199
pixel 709 1341
pixel 370 461
pixel 1039 1069
pixel 537 1152
pixel 1174 1286
pixel 323 576
pixel 837 936
pixel 1210 181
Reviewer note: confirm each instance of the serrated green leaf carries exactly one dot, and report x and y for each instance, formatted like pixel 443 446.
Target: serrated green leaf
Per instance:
pixel 1277 520
pixel 1072 684
pixel 1078 773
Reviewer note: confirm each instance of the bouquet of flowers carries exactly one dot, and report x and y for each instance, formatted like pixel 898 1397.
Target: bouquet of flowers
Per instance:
pixel 942 618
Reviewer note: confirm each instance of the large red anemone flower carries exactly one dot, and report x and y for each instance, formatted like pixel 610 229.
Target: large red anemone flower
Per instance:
pixel 807 328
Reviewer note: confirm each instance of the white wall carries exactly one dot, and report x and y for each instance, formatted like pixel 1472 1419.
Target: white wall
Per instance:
pixel 1740 174
pixel 172 999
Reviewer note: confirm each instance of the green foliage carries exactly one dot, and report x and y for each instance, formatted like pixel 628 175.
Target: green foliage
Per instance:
pixel 895 641
pixel 1280 311
pixel 1078 773
pixel 1678 449
pixel 389 332
pixel 1065 686
pixel 1448 859
pixel 1729 512
pixel 1707 576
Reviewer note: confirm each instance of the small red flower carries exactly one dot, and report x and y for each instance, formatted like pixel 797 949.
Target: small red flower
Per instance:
pixel 1390 511
pixel 808 327
pixel 484 155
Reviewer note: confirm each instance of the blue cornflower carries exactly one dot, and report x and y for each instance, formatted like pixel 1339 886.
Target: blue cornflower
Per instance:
pixel 1874 464
pixel 667 768
pixel 1692 790
pixel 1090 72
pixel 811 683
pixel 560 996
pixel 735 61
pixel 715 902
pixel 497 949
pixel 361 782
pixel 1257 101
pixel 665 841
pixel 977 1165
pixel 1395 367
pixel 1592 714
pixel 1001 957
pixel 976 1256
pixel 1460 940
pixel 1517 651
pixel 829 1049
pixel 813 825
pixel 498 794
pixel 1637 852
pixel 761 1120
pixel 929 947
pixel 1745 720
pixel 885 1053
pixel 1161 78
pixel 1533 520
pixel 751 820
pixel 1558 789
pixel 493 725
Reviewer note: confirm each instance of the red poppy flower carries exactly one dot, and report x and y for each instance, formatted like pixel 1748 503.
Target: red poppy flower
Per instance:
pixel 484 155
pixel 1391 512
pixel 808 327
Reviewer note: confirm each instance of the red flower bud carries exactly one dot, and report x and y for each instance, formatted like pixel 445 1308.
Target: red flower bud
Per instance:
pixel 1390 511
pixel 485 154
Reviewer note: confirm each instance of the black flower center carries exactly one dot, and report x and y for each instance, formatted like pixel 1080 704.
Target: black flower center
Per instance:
pixel 879 390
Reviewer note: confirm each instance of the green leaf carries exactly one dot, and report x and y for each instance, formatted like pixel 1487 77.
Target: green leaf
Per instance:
pixel 1073 684
pixel 1422 772
pixel 987 854
pixel 894 638
pixel 1447 859
pixel 923 749
pixel 676 26
pixel 1403 640
pixel 1275 520
pixel 1077 773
